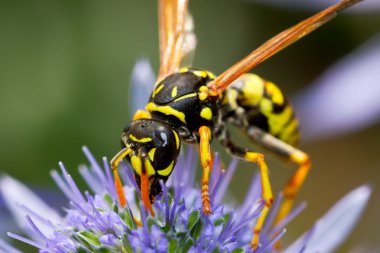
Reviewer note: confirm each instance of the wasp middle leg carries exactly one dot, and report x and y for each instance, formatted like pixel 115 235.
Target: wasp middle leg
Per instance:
pixel 258 158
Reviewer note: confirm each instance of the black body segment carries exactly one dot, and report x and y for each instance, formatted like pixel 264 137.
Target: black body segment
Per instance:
pixel 180 100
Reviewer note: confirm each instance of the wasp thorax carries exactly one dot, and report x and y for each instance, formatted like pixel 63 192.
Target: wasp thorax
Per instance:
pixel 155 148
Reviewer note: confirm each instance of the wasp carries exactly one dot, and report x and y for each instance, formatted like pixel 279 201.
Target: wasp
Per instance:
pixel 194 106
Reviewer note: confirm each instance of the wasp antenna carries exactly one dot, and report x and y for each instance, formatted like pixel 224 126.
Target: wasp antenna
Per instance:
pixel 276 44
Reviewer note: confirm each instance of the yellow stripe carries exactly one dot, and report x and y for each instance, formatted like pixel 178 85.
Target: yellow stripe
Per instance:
pixel 183 69
pixel 141 114
pixel 174 92
pixel 210 74
pixel 200 73
pixel 266 107
pixel 277 121
pixel 151 154
pixel 140 140
pixel 151 107
pixel 253 89
pixel 286 133
pixel 166 172
pixel 276 93
pixel 185 96
pixel 176 139
pixel 159 88
pixel 149 168
pixel 136 164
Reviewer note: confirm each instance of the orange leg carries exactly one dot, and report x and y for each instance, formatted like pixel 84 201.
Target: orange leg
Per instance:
pixel 295 155
pixel 145 192
pixel 205 154
pixel 294 184
pixel 267 194
pixel 118 185
pixel 292 187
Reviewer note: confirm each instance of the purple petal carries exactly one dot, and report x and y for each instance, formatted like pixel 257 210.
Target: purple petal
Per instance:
pixel 16 194
pixel 95 165
pixel 295 212
pixel 26 240
pixel 330 230
pixel 345 98
pixel 225 182
pixel 142 83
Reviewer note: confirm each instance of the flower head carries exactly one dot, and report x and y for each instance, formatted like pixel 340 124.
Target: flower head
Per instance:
pixel 95 222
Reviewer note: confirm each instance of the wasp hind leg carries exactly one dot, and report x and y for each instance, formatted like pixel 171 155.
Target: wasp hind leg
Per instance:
pixel 291 153
pixel 267 195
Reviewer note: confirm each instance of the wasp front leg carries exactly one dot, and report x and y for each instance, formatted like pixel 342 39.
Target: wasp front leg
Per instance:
pixel 267 194
pixel 206 161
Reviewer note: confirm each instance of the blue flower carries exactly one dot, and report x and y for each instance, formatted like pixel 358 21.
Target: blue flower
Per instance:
pixel 94 222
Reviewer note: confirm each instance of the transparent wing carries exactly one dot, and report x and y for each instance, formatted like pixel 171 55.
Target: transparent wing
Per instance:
pixel 278 43
pixel 172 16
pixel 189 43
pixel 142 83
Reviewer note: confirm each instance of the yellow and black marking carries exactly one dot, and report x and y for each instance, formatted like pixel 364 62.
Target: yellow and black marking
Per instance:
pixel 174 92
pixel 264 105
pixel 158 89
pixel 183 100
pixel 167 110
pixel 181 107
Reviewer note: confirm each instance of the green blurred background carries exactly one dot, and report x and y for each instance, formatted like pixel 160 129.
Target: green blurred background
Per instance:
pixel 64 74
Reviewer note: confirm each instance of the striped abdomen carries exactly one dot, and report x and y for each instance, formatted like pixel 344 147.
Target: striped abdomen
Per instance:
pixel 264 106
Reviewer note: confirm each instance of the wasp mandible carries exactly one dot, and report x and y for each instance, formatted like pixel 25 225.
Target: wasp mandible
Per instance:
pixel 193 106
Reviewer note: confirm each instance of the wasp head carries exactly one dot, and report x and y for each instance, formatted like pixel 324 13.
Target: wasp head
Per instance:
pixel 155 148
